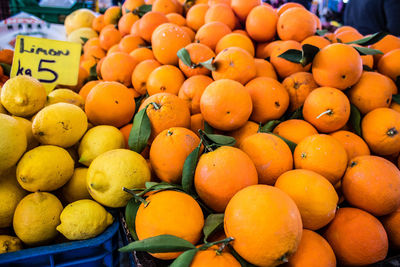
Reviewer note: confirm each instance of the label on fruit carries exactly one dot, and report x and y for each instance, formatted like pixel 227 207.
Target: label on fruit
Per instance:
pixel 52 62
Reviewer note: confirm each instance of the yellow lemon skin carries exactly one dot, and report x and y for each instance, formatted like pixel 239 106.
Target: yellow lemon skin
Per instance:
pixel 12 142
pixel 65 96
pixel 36 218
pixel 27 125
pixel 45 168
pixel 11 194
pixel 113 170
pixel 23 96
pixel 59 124
pixel 78 19
pixel 9 244
pixel 75 189
pixel 98 140
pixel 79 35
pixel 84 219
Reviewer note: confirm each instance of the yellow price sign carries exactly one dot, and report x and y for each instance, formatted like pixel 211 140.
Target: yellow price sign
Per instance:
pixel 52 62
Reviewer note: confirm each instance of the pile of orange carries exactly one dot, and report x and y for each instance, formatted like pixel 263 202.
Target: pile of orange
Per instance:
pixel 333 199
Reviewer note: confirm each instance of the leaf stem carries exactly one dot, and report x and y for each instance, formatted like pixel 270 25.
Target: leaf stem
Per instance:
pixel 223 241
pixel 136 197
pixel 329 112
pixel 156 106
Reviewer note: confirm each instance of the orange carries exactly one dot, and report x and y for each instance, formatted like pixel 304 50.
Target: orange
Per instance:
pixel 385 45
pixel 83 75
pixel 113 49
pixel 167 6
pixel 372 91
pixel 241 32
pixel 265 224
pixel 357 238
pixel 167 40
pixel 192 89
pixel 112 15
pixel 126 22
pixel 220 174
pixel 222 13
pixel 294 130
pixel 176 19
pixel 380 129
pixel 118 67
pixel 270 154
pixel 195 16
pixel 264 50
pixel 98 23
pixel 299 85
pixel 130 5
pixel 323 154
pixel 135 28
pixel 84 91
pixel 179 142
pixel 269 97
pixel 345 29
pixel 261 23
pixel 389 64
pixel 149 22
pixel 355 146
pixel 213 257
pixel 190 32
pixel 287 6
pixel 391 224
pixel 94 41
pixel 226 105
pixel 196 123
pixel 197 53
pixel 313 251
pixel 337 65
pixel 234 63
pixel 348 36
pixel 126 131
pixel 317 21
pixel 249 128
pixel 264 69
pixel 165 79
pixel 170 212
pixel 109 36
pixel 210 33
pixel 141 73
pixel 130 42
pixel 166 110
pixel 296 24
pixel 317 41
pixel 282 66
pixel 372 183
pixel 142 53
pixel 367 60
pixel 313 194
pixel 94 52
pixel 395 106
pixel 98 68
pixel 243 8
pixel 326 116
pixel 237 40
pixel 110 103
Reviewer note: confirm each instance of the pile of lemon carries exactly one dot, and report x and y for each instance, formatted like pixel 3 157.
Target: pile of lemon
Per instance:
pixel 43 192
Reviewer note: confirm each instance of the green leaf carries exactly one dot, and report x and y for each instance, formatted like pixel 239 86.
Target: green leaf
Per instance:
pixel 152 186
pixel 221 140
pixel 183 55
pixel 130 216
pixel 143 9
pixel 367 51
pixel 321 32
pixel 189 168
pixel 185 259
pixel 207 128
pixel 138 101
pixel 84 39
pixel 367 68
pixel 369 40
pixel 292 55
pixel 6 68
pixel 355 119
pixel 297 114
pixel 291 144
pixel 208 64
pixel 93 73
pixel 396 98
pixel 309 52
pixel 269 126
pixel 213 223
pixel 189 3
pixel 159 244
pixel 242 261
pixel 140 131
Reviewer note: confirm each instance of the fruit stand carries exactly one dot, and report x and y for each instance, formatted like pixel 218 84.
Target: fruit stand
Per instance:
pixel 199 133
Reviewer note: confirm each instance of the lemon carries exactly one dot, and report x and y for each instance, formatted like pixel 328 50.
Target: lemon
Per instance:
pixel 45 168
pixel 98 140
pixel 60 124
pixel 10 194
pixel 23 96
pixel 9 244
pixel 36 218
pixel 81 35
pixel 65 96
pixel 113 170
pixel 84 219
pixel 75 189
pixel 78 19
pixel 27 126
pixel 12 142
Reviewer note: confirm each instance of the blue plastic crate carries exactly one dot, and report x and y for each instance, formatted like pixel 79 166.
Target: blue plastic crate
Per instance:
pixel 98 251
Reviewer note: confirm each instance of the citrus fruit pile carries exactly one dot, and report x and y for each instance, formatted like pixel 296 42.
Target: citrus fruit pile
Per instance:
pixel 235 134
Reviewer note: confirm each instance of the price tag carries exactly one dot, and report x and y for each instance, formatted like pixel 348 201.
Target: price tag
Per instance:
pixel 52 62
